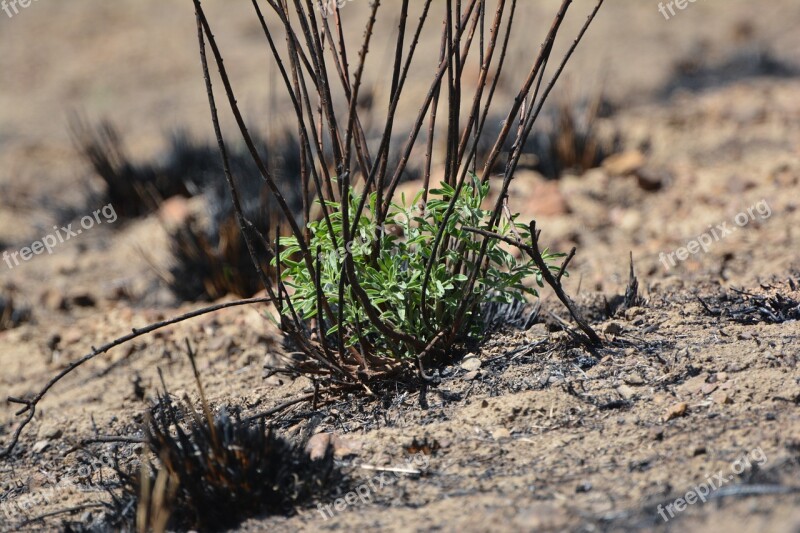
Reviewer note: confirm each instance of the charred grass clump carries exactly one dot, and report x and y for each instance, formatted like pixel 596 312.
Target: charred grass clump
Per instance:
pixel 572 141
pixel 134 189
pixel 210 258
pixel 12 314
pixel 211 472
pixel 771 303
pixel 574 136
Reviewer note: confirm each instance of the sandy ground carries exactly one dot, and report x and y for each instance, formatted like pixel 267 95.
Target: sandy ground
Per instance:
pixel 545 435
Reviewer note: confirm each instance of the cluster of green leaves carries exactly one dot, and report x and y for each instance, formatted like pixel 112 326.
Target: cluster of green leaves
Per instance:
pixel 390 264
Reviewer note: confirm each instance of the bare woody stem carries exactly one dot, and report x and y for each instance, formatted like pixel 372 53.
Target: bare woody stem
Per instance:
pixel 553 282
pixel 31 404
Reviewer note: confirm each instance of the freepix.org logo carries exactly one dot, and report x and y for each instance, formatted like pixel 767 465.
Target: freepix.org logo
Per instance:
pixel 12 7
pixel 60 236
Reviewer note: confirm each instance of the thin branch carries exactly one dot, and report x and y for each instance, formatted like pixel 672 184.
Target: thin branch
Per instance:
pixel 555 284
pixel 30 405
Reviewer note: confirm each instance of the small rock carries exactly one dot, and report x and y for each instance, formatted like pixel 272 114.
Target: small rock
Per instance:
pixel 694 385
pixel 583 487
pixel 469 376
pixel 471 364
pixel 721 398
pixel 676 411
pixel 53 300
pixel 627 219
pixel 273 381
pixel 247 359
pixel 221 343
pixel 634 379
pixel 501 433
pixel 71 336
pixel 624 163
pixel 708 388
pixel 342 447
pixel 40 446
pixel 174 211
pixel 626 392
pixel 538 330
pixel 50 431
pixel 537 195
pixel 318 445
pixel 633 312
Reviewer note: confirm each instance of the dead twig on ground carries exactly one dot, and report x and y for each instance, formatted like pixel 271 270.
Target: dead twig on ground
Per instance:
pixel 31 404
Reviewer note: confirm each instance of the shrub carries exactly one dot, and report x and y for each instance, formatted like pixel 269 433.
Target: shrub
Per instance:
pixel 390 264
pixel 373 309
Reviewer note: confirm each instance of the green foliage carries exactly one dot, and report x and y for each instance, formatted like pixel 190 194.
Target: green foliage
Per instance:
pixel 390 264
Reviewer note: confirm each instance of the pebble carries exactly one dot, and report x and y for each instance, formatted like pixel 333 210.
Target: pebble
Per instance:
pixel 626 392
pixel 50 432
pixel 676 411
pixel 471 364
pixel 624 163
pixel 633 379
pixel 651 180
pixel 721 398
pixel 501 433
pixel 40 446
pixel 342 447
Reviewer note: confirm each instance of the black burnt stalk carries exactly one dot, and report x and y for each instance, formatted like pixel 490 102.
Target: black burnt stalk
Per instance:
pixel 210 474
pixel 210 256
pixel 212 471
pixel 12 314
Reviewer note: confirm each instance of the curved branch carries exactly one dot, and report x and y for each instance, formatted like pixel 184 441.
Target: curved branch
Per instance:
pixel 30 405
